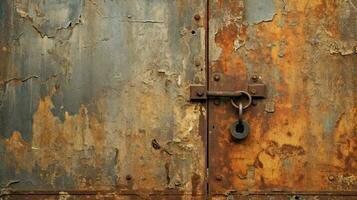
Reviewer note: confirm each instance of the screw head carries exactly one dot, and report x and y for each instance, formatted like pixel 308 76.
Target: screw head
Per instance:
pixel 200 93
pixel 177 183
pixel 255 78
pixel 197 17
pixel 331 178
pixel 219 177
pixel 216 77
pixel 217 102
pixel 253 91
pixel 128 177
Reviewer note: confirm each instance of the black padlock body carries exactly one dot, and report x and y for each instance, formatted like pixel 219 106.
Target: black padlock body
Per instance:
pixel 240 131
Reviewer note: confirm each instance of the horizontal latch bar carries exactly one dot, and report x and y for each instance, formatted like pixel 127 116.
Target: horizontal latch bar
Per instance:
pixel 199 92
pixel 223 93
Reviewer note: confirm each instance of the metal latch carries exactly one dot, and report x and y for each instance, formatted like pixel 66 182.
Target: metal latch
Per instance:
pixel 239 129
pixel 200 92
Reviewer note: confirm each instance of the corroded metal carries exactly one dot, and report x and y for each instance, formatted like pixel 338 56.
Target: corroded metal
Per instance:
pixel 86 86
pixel 94 99
pixel 199 92
pixel 305 130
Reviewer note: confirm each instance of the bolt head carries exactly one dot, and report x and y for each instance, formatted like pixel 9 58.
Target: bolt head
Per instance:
pixel 200 93
pixel 177 183
pixel 128 177
pixel 255 78
pixel 216 77
pixel 219 177
pixel 253 91
pixel 331 178
pixel 197 17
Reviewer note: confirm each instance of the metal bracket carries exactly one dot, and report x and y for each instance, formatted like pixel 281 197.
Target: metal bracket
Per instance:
pixel 200 92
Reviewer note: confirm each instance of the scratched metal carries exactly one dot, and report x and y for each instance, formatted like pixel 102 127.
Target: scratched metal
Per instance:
pixel 304 134
pixel 94 97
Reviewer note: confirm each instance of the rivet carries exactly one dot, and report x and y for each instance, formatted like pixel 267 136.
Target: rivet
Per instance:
pixel 200 93
pixel 216 77
pixel 128 177
pixel 219 177
pixel 177 183
pixel 217 102
pixel 197 62
pixel 197 17
pixel 255 78
pixel 331 178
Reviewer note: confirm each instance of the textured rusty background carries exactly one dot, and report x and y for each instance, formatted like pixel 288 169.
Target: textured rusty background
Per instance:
pixel 303 136
pixel 94 97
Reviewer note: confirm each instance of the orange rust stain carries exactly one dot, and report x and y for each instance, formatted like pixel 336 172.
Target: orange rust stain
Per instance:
pixel 16 144
pixel 326 12
pixel 231 63
pixel 55 142
pixel 18 150
pixel 290 142
pixel 236 8
pixel 243 33
pixel 220 3
pixel 181 8
pixel 225 38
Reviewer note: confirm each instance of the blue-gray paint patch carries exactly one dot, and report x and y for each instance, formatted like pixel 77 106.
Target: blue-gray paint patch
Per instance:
pixel 2 12
pixel 20 92
pixel 329 124
pixel 100 61
pixel 18 107
pixel 259 11
pixel 57 14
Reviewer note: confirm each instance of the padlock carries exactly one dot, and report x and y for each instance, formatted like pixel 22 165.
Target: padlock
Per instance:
pixel 240 130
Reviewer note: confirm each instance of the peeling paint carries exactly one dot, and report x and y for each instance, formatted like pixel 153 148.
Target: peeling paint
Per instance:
pixel 93 98
pixel 258 11
pixel 304 131
pixel 49 18
pixel 99 81
pixel 344 48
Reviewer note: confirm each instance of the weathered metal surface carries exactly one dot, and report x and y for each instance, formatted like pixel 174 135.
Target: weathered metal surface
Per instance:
pixel 199 92
pixel 94 99
pixel 287 196
pixel 303 136
pixel 86 86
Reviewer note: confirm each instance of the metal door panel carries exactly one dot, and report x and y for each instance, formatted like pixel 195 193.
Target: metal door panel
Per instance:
pixel 303 135
pixel 94 97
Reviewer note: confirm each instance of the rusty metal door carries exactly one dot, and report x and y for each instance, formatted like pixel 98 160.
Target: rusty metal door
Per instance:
pixel 303 140
pixel 94 99
pixel 94 102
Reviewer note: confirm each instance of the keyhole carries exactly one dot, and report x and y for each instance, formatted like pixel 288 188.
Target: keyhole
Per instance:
pixel 240 128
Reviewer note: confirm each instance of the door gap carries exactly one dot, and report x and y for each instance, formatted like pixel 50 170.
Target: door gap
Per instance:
pixel 207 193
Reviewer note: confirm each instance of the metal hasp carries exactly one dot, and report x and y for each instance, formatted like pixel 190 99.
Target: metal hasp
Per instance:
pixel 239 129
pixel 199 92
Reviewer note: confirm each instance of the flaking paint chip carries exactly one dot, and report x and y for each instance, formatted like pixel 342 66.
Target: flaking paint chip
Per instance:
pixel 270 107
pixel 260 11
